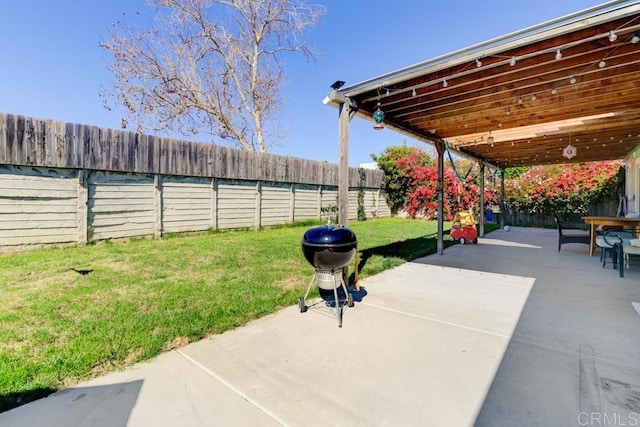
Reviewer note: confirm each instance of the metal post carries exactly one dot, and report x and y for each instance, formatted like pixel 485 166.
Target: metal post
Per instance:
pixel 440 190
pixel 502 212
pixel 481 217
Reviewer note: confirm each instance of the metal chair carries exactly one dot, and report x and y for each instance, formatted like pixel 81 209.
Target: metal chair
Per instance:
pixel 607 241
pixel 626 250
pixel 610 242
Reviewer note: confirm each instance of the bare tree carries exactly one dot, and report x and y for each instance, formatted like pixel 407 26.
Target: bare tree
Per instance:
pixel 208 66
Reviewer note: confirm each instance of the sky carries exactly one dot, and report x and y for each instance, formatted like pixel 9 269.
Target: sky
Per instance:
pixel 52 68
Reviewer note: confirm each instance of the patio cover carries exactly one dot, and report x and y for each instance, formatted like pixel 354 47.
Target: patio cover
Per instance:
pixel 520 99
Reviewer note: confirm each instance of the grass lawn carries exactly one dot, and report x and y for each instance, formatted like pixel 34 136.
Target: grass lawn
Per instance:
pixel 69 314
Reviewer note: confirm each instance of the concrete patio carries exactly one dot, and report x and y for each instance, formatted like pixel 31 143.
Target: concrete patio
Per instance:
pixel 507 332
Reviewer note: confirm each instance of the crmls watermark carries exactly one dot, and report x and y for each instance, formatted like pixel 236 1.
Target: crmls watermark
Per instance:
pixel 608 419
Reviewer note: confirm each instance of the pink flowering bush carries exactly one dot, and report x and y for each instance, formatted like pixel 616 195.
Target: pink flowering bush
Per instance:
pixel 417 174
pixel 411 179
pixel 569 188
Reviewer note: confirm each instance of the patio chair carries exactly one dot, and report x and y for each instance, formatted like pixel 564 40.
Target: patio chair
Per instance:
pixel 628 249
pixel 609 242
pixel 568 234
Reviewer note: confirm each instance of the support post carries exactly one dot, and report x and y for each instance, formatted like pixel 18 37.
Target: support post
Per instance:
pixel 502 212
pixel 83 207
pixel 214 203
pixel 292 203
pixel 258 206
pixel 343 164
pixel 481 216
pixel 157 206
pixel 440 191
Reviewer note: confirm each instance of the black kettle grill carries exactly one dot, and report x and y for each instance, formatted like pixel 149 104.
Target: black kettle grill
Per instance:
pixel 329 249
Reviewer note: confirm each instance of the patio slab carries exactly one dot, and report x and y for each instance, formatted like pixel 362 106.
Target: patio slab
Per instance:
pixel 506 332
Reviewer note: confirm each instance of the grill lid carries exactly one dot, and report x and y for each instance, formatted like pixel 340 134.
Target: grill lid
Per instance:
pixel 329 235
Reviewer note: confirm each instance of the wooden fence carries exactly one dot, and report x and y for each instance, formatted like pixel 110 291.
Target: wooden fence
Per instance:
pixel 27 141
pixel 68 183
pixel 603 208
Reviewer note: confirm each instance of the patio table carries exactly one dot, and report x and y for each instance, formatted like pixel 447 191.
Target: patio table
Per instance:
pixel 617 221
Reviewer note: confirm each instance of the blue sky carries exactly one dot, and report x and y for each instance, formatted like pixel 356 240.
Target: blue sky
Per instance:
pixel 52 68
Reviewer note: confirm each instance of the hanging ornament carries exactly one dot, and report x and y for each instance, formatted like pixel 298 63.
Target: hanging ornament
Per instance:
pixel 378 117
pixel 569 151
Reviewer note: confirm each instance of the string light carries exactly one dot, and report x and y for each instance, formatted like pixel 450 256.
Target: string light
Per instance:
pixel 635 38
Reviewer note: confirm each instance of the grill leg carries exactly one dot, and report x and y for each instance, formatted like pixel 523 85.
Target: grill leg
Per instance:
pixel 302 304
pixel 337 301
pixel 313 279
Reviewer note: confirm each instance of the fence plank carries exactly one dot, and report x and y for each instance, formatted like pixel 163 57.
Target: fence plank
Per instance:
pixel 186 204
pixel 37 206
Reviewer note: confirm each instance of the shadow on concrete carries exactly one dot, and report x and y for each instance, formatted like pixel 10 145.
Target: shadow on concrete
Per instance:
pixel 103 405
pixel 9 401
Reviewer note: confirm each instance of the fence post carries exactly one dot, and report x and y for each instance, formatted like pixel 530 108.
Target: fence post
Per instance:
pixel 214 204
pixel 292 203
pixel 157 206
pixel 258 208
pixel 319 212
pixel 83 210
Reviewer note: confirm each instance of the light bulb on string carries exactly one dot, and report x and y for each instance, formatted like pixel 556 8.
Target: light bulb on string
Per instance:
pixel 612 36
pixel 558 54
